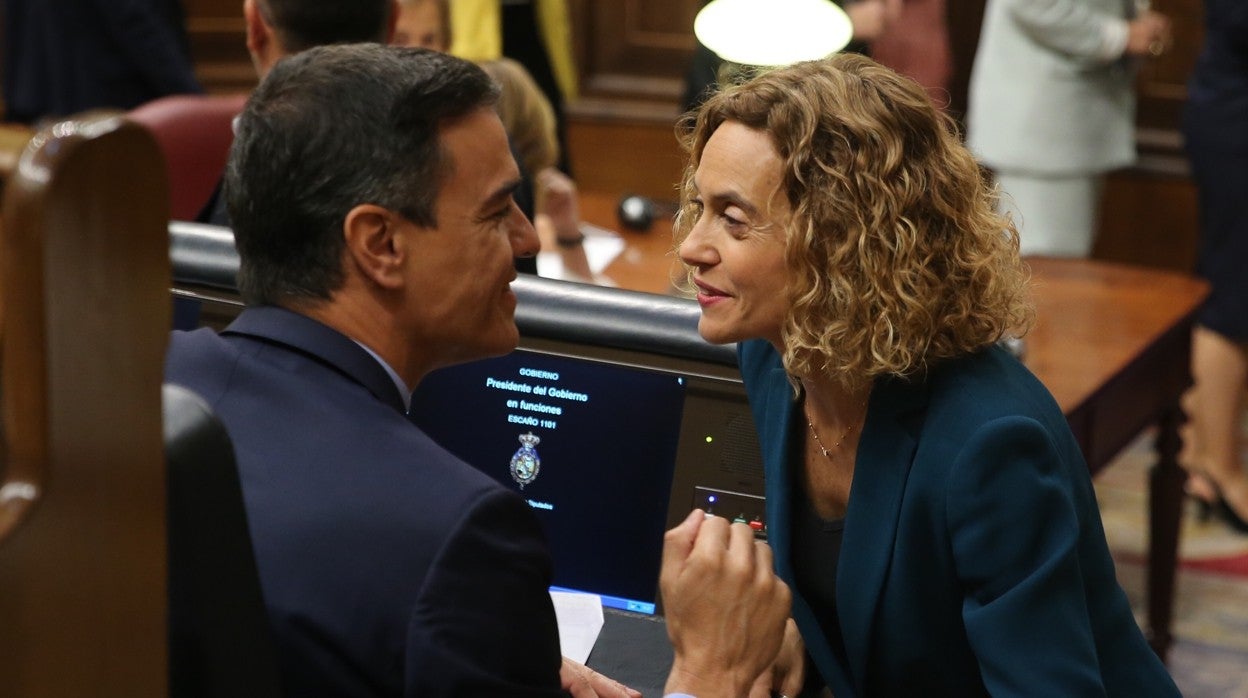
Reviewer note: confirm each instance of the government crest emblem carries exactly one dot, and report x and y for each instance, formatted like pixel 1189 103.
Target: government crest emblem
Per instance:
pixel 526 463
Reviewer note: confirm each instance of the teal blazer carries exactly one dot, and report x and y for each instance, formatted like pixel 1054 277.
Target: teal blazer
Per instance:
pixel 973 560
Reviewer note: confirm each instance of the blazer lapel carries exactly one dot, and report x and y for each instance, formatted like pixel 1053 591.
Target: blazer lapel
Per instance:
pixel 776 423
pixel 776 415
pixel 881 467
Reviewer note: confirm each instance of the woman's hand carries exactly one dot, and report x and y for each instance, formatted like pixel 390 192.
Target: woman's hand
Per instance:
pixel 787 673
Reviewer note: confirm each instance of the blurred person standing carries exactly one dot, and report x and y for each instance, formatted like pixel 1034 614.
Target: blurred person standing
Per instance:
pixel 916 44
pixel 66 56
pixel 1052 108
pixel 554 203
pixel 1215 130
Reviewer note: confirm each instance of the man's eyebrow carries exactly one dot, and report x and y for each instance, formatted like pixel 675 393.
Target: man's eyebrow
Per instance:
pixel 503 192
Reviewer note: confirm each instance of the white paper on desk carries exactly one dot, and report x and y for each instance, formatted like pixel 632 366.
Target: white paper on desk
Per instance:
pixel 602 246
pixel 580 621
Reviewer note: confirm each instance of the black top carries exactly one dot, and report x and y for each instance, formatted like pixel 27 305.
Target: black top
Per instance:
pixel 816 552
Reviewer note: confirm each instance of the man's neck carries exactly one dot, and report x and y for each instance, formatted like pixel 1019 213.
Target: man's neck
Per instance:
pixel 370 326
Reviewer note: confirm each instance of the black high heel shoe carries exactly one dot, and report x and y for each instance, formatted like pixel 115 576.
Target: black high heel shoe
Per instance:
pixel 1218 506
pixel 1230 516
pixel 1204 508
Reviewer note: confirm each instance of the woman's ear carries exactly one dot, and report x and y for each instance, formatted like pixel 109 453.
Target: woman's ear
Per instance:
pixel 375 245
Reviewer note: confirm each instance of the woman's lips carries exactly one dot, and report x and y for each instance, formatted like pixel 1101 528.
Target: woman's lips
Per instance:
pixel 709 295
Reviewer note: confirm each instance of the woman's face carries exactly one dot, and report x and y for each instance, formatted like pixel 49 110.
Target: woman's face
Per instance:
pixel 736 246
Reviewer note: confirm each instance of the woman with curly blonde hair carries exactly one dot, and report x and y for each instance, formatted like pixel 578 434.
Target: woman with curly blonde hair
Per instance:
pixel 926 500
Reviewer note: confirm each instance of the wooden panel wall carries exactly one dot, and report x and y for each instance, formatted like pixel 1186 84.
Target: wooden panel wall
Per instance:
pixel 636 50
pixel 218 45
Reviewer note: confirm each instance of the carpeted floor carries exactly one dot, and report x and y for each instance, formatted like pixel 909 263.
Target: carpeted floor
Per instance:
pixel 1210 656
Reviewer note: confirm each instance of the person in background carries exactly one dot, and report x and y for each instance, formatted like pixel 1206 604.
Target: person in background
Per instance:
pixel 530 124
pixel 926 500
pixel 1052 109
pixel 280 28
pixel 535 33
pixel 424 24
pixel 1216 138
pixel 916 44
pixel 371 193
pixel 62 57
pixel 531 128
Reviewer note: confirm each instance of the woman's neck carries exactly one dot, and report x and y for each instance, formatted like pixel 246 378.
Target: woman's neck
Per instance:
pixel 833 408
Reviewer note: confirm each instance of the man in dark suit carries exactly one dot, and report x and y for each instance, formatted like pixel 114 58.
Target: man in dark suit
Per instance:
pixel 65 56
pixel 371 194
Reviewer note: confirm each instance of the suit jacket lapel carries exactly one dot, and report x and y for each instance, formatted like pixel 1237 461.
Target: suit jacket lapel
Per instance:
pixel 885 453
pixel 323 343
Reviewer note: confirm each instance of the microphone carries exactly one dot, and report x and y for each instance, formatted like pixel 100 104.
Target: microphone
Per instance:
pixel 637 212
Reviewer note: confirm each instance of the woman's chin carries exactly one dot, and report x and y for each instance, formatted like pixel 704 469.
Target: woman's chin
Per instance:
pixel 717 333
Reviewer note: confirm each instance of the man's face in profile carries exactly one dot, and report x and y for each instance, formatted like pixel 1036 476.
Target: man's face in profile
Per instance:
pixel 461 270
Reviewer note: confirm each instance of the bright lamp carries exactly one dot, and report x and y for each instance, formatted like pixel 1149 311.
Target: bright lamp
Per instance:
pixel 772 32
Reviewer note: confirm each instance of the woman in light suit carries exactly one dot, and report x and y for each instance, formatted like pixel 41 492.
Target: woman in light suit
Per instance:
pixel 1052 108
pixel 926 501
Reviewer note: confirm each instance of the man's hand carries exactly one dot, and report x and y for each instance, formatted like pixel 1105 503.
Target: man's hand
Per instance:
pixel 559 200
pixel 726 610
pixel 583 682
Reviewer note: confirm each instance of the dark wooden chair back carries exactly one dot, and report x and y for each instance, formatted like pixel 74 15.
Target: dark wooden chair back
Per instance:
pixel 84 278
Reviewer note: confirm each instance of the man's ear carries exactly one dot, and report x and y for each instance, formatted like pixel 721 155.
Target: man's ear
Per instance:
pixel 375 246
pixel 259 33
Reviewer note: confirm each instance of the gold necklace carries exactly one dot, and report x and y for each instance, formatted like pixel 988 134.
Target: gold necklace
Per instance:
pixel 827 452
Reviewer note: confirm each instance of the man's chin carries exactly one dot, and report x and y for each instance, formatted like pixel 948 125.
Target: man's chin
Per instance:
pixel 505 343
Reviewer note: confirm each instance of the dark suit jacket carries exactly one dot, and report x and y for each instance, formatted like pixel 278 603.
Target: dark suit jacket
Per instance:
pixel 65 56
pixel 973 560
pixel 388 566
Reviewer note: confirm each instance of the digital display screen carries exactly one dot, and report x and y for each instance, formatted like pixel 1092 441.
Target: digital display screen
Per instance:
pixel 590 446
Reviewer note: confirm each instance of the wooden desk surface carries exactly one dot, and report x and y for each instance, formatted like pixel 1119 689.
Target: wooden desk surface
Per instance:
pixel 1094 318
pixel 648 262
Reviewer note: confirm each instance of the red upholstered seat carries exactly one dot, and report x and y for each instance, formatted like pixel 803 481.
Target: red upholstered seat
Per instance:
pixel 194 133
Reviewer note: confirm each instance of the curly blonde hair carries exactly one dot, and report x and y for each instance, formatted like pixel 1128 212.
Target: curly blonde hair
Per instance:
pixel 897 256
